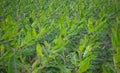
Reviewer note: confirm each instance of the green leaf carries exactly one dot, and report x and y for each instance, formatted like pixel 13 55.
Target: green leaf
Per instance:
pixel 39 50
pixel 12 66
pixel 90 25
pixel 35 63
pixel 81 48
pixel 87 50
pixel 34 32
pixel 85 64
pixel 36 70
pixel 42 32
pixel 2 49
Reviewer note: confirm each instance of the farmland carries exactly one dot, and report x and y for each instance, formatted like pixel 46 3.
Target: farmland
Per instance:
pixel 59 36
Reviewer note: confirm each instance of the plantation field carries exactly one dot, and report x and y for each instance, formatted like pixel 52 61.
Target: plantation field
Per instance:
pixel 59 36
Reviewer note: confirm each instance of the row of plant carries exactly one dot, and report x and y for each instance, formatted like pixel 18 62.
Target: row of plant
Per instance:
pixel 59 36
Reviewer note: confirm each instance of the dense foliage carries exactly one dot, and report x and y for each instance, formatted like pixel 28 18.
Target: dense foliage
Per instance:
pixel 59 36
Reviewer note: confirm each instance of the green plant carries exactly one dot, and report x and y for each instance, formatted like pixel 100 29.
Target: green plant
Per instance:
pixel 116 44
pixel 59 36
